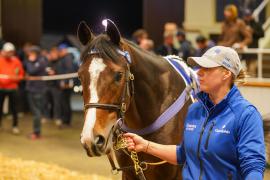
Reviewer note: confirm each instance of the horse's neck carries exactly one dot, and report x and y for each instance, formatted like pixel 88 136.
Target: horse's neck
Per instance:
pixel 157 85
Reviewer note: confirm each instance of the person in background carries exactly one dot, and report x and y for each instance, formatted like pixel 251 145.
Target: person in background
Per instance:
pixel 223 134
pixel 257 33
pixel 52 107
pixel 167 47
pixel 172 28
pixel 23 106
pixel 234 32
pixel 147 44
pixel 186 48
pixel 139 35
pixel 68 65
pixel 10 67
pixel 35 66
pixel 203 45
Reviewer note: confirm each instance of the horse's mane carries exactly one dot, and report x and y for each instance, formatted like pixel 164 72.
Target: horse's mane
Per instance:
pixel 141 52
pixel 106 48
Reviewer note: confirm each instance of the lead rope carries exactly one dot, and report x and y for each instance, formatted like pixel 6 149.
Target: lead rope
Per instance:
pixel 121 143
pixel 139 167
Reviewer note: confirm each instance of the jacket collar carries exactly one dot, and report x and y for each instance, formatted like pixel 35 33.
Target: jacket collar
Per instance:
pixel 214 109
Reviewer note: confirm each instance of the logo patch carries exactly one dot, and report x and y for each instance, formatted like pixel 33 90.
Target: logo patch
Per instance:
pixel 223 130
pixel 190 127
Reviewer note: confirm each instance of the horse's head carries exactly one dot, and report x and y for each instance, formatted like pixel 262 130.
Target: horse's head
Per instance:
pixel 104 75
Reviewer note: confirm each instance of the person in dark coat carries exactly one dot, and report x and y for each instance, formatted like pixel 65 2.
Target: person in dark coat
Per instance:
pixel 203 45
pixel 257 33
pixel 35 66
pixel 167 47
pixel 186 49
pixel 67 66
pixel 52 107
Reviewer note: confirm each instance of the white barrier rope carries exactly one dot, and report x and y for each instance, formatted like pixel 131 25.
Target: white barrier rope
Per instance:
pixel 41 78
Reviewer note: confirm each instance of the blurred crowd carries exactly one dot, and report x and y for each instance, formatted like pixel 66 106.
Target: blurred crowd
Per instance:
pixel 47 100
pixel 50 100
pixel 236 32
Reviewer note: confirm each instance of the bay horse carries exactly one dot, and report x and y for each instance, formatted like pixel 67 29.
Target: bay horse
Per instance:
pixel 107 62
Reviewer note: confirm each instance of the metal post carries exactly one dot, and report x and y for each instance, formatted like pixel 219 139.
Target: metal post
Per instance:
pixel 260 56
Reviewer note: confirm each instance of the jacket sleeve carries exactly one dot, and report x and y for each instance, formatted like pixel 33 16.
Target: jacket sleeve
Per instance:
pixel 34 69
pixel 19 71
pixel 250 146
pixel 180 153
pixel 246 34
pixel 221 36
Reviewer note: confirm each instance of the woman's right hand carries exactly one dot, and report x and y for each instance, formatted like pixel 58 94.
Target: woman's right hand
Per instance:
pixel 136 143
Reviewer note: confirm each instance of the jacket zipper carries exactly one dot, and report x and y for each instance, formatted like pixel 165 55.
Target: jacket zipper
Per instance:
pixel 199 144
pixel 208 136
pixel 229 176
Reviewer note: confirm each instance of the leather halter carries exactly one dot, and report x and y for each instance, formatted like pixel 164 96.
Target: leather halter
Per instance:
pixel 128 91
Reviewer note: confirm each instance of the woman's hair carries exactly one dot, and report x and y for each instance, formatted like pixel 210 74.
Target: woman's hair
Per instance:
pixel 233 9
pixel 241 78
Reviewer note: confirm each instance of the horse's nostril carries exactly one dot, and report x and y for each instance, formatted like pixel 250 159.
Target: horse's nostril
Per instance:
pixel 99 141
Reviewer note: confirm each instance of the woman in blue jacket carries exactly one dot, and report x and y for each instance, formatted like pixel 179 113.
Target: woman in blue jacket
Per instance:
pixel 223 135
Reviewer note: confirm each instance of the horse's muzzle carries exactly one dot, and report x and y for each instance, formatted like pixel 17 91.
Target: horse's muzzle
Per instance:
pixel 96 147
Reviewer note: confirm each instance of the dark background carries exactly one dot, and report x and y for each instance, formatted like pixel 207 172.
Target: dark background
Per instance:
pixel 63 16
pixel 44 21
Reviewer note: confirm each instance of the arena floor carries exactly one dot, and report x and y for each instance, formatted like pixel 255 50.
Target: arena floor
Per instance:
pixel 57 147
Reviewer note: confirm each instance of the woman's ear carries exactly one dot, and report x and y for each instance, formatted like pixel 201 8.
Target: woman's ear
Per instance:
pixel 227 74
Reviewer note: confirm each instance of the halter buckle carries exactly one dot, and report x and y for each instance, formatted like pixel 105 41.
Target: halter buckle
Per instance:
pixel 123 107
pixel 131 76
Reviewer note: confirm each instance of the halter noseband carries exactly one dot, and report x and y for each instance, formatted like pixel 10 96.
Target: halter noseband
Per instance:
pixel 128 89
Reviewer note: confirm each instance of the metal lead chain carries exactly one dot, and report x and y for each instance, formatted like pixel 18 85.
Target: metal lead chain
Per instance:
pixel 121 143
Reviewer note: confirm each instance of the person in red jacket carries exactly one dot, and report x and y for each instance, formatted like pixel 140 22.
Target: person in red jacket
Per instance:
pixel 11 72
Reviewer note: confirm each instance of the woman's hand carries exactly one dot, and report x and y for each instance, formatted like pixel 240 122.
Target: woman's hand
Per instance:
pixel 136 143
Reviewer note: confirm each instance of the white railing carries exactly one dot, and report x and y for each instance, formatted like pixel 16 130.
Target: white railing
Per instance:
pixel 266 24
pixel 259 9
pixel 259 52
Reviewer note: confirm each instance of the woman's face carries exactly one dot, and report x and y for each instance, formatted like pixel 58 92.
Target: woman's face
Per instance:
pixel 211 79
pixel 227 14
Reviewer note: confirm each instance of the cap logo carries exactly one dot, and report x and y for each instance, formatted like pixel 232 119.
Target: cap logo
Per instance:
pixel 227 59
pixel 217 51
pixel 226 64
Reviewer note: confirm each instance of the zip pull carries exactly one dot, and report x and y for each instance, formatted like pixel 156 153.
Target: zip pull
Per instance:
pixel 230 176
pixel 208 136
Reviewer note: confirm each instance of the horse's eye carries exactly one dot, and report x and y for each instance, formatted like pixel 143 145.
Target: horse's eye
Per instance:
pixel 118 76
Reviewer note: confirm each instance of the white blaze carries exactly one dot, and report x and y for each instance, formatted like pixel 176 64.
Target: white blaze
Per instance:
pixel 95 68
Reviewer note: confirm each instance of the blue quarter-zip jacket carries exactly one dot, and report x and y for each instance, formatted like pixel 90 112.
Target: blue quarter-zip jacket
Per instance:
pixel 223 141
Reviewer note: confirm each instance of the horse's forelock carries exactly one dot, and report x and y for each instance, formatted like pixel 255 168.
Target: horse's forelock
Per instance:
pixel 105 48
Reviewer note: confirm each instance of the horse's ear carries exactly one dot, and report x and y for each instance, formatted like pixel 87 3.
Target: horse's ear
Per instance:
pixel 113 32
pixel 84 33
